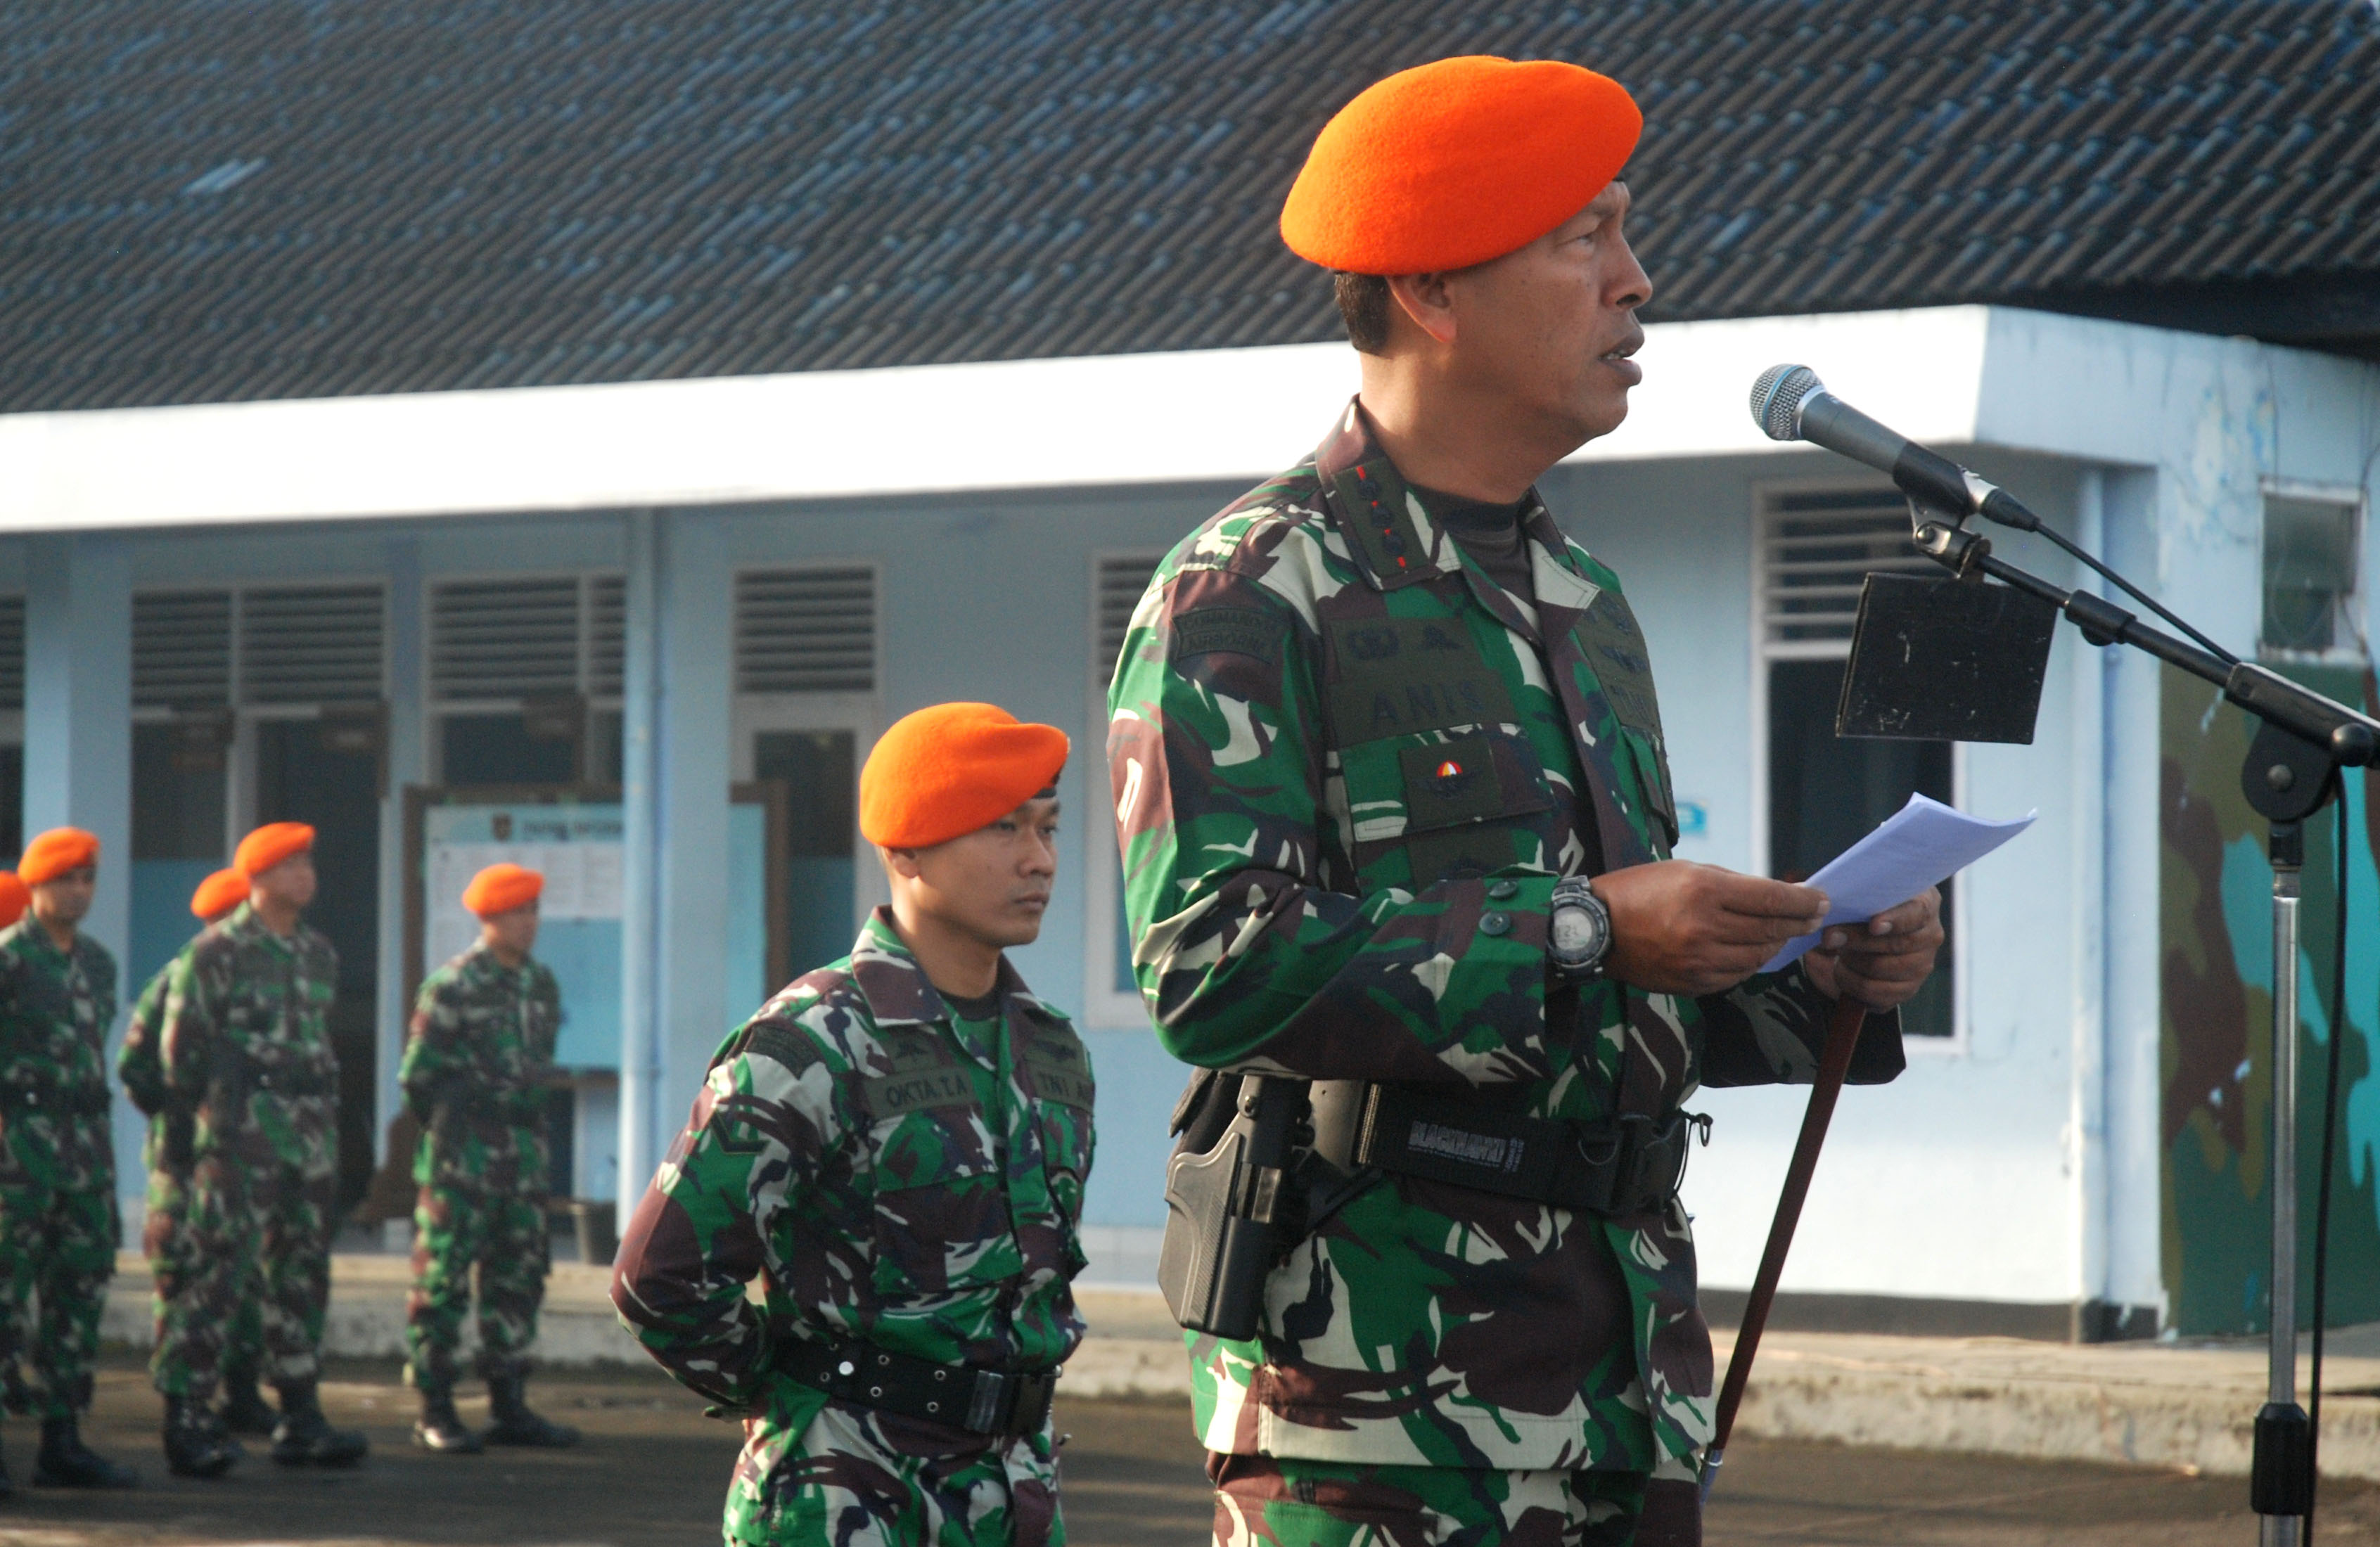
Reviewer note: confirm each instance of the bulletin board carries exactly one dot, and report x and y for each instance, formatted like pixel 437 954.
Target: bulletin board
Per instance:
pixel 573 835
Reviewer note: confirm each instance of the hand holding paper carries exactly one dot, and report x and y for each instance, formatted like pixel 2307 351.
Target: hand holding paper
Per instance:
pixel 1920 845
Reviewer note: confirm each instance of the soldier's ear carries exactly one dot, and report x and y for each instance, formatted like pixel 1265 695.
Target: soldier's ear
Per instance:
pixel 898 863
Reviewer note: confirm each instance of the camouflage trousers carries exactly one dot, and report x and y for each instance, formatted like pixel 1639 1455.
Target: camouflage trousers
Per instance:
pixel 257 1231
pixel 1260 1500
pixel 506 1238
pixel 819 1474
pixel 57 1251
pixel 173 1259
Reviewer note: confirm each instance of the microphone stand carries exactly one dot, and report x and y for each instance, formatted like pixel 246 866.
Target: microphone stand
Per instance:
pixel 2291 772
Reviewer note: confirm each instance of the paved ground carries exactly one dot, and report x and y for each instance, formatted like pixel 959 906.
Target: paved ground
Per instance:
pixel 652 1469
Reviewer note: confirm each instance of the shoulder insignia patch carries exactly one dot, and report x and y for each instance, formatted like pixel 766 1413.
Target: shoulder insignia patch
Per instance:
pixel 1244 631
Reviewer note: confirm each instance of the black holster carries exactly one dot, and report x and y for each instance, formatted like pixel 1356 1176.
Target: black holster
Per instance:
pixel 1230 1204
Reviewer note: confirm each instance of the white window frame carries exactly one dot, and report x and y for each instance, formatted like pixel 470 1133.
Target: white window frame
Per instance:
pixel 2357 651
pixel 1762 654
pixel 1103 1008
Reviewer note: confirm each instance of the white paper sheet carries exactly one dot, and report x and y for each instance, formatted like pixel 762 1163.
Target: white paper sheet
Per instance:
pixel 1923 844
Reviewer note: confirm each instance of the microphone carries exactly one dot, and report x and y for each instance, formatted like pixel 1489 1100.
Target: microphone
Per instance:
pixel 1789 402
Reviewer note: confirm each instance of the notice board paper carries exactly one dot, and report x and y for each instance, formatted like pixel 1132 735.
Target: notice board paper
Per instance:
pixel 1923 844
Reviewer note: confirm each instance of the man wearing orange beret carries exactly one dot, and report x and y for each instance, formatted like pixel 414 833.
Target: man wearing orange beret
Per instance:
pixel 246 1049
pixel 898 1142
pixel 165 1230
pixel 1396 815
pixel 479 1073
pixel 58 1159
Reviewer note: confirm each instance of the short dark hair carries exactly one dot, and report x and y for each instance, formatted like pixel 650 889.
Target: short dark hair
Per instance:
pixel 1363 307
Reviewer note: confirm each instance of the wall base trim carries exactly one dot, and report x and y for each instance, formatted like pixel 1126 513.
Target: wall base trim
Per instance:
pixel 1919 1316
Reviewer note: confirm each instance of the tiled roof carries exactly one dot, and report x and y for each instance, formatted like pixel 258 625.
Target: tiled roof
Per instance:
pixel 204 200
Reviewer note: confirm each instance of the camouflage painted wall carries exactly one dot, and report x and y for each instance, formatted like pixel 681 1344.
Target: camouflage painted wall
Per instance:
pixel 2214 928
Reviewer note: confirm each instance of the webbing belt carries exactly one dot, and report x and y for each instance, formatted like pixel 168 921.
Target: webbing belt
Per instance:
pixel 980 1401
pixel 1618 1166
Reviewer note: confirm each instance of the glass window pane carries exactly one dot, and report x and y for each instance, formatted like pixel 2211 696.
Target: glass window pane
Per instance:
pixel 2309 572
pixel 1826 793
pixel 498 749
pixel 820 770
pixel 177 794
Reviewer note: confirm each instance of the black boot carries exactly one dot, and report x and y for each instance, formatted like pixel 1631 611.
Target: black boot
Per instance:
pixel 245 1410
pixel 516 1424
pixel 439 1429
pixel 67 1462
pixel 304 1437
pixel 196 1445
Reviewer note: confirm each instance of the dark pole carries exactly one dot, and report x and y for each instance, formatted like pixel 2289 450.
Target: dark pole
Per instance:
pixel 1842 1040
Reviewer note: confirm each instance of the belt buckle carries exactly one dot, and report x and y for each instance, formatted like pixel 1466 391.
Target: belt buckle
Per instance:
pixel 990 1404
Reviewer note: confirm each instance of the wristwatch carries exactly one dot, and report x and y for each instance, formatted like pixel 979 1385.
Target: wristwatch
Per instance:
pixel 1581 933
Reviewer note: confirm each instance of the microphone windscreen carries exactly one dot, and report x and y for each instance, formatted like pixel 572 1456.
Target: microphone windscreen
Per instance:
pixel 1777 400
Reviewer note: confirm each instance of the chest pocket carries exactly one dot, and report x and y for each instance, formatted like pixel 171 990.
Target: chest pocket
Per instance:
pixel 1615 651
pixel 941 1213
pixel 1432 789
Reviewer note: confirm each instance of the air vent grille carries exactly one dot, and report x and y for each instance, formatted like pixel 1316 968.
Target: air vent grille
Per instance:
pixel 12 652
pixel 810 630
pixel 509 639
pixel 310 644
pixel 1123 579
pixel 607 635
pixel 1816 549
pixel 181 650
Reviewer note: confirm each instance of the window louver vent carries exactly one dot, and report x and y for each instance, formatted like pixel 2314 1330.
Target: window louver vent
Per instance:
pixel 509 639
pixel 310 644
pixel 1122 580
pixel 1816 548
pixel 805 630
pixel 181 650
pixel 607 637
pixel 12 652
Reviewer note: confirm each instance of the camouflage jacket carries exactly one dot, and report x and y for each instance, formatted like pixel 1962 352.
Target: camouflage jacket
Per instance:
pixel 55 1009
pixel 478 1071
pixel 246 1043
pixel 886 1181
pixel 141 1064
pixel 1349 768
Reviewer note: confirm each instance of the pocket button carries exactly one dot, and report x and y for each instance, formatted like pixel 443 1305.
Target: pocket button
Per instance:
pixel 1503 891
pixel 1495 923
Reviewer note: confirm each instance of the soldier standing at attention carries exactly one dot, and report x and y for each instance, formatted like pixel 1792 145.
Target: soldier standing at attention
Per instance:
pixel 166 1231
pixel 57 1161
pixel 897 1144
pixel 246 1049
pixel 1395 812
pixel 477 1069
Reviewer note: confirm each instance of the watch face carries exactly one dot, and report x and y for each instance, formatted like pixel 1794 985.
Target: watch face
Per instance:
pixel 1575 932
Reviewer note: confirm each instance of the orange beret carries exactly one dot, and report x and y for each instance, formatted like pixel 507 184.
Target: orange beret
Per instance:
pixel 502 887
pixel 219 894
pixel 15 898
pixel 943 772
pixel 270 844
pixel 1455 162
pixel 54 852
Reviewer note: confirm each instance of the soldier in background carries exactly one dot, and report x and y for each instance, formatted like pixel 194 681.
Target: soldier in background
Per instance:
pixel 477 1071
pixel 1396 819
pixel 166 1231
pixel 58 1226
pixel 246 1048
pixel 896 1145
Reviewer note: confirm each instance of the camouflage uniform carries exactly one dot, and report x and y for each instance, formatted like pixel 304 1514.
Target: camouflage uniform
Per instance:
pixel 897 1176
pixel 246 1048
pixel 59 1223
pixel 165 1153
pixel 1349 768
pixel 476 1071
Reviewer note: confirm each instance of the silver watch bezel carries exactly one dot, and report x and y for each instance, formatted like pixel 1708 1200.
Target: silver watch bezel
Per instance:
pixel 1573 893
